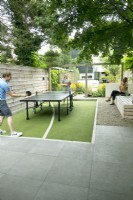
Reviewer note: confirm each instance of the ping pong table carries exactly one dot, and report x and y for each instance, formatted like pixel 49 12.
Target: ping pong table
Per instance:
pixel 52 96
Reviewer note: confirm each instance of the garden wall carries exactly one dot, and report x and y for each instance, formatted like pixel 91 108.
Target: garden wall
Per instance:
pixel 23 79
pixel 115 86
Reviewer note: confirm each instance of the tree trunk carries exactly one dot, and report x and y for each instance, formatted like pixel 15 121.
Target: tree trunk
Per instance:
pixel 122 71
pixel 86 81
pixel 49 74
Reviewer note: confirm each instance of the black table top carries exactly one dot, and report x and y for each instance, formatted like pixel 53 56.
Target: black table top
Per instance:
pixel 48 96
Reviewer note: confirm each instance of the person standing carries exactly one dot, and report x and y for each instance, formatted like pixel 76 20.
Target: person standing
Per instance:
pixel 4 109
pixel 66 83
pixel 123 88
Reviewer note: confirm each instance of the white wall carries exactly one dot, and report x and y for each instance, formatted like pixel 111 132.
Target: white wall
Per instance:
pixel 115 86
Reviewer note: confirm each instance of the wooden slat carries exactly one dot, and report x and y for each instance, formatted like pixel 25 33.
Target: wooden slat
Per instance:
pixel 128 109
pixel 128 117
pixel 125 106
pixel 24 78
pixel 128 113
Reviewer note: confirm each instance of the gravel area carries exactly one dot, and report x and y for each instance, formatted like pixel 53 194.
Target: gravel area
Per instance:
pixel 109 115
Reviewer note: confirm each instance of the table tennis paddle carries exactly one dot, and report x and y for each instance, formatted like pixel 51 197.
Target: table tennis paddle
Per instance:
pixel 69 83
pixel 28 93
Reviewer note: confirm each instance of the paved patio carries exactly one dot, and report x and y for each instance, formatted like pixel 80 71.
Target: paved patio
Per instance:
pixel 35 169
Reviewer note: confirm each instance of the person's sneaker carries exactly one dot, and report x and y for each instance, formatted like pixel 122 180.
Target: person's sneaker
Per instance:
pixel 16 134
pixel 2 132
pixel 107 100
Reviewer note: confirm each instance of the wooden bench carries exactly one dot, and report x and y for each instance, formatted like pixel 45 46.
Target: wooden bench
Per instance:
pixel 125 106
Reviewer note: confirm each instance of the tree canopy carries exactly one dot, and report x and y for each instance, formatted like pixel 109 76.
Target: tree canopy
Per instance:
pixel 26 34
pixel 128 61
pixel 100 25
pixel 97 26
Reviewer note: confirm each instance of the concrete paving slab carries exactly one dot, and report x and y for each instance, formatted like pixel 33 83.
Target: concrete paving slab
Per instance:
pixel 17 144
pixel 108 131
pixel 116 152
pixel 47 147
pixel 33 166
pixel 8 159
pixel 104 195
pixel 48 169
pixel 55 191
pixel 18 188
pixel 70 171
pixel 106 139
pixel 81 151
pixel 112 177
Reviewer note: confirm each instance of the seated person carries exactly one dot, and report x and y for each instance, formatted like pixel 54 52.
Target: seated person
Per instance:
pixel 122 91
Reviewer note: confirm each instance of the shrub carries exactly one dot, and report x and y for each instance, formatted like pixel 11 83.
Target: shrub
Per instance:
pixel 73 86
pixel 89 89
pixel 54 79
pixel 80 88
pixel 59 87
pixel 100 91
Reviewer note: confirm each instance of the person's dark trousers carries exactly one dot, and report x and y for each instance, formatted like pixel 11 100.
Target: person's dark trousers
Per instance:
pixel 115 93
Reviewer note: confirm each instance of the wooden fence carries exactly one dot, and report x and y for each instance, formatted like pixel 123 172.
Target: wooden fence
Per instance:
pixel 23 79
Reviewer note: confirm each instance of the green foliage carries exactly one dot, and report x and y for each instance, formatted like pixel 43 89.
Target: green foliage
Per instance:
pixel 26 34
pixel 5 56
pixel 109 78
pixel 5 40
pixel 64 58
pixel 100 91
pixel 51 58
pixel 98 25
pixel 26 38
pixel 24 46
pixel 80 88
pixel 128 61
pixel 58 58
pixel 73 87
pixel 38 61
pixel 54 79
pixel 112 70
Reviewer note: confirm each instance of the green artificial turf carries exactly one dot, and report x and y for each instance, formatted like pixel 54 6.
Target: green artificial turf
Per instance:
pixel 77 126
pixel 35 127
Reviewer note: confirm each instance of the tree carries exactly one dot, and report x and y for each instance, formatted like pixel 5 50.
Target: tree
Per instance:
pixel 38 61
pixel 5 38
pixel 99 26
pixel 26 38
pixel 64 58
pixel 128 61
pixel 112 70
pixel 54 79
pixel 51 58
pixel 26 26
